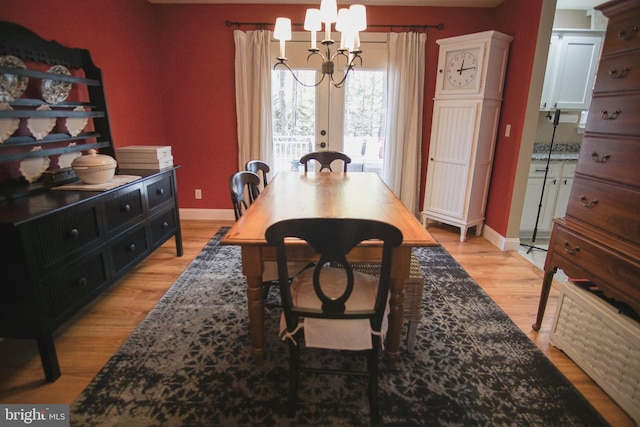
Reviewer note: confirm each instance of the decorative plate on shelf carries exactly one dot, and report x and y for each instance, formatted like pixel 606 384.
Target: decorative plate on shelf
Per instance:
pixel 8 125
pixel 41 126
pixel 55 91
pixel 64 161
pixel 75 125
pixel 32 168
pixel 11 85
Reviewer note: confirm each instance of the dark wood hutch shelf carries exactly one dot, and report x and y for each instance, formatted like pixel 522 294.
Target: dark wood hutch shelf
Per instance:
pixel 62 248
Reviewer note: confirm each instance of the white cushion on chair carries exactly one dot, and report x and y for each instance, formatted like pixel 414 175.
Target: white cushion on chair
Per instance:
pixel 337 334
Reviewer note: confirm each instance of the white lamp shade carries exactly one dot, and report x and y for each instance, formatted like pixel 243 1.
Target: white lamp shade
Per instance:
pixel 312 20
pixel 345 21
pixel 359 16
pixel 282 30
pixel 328 11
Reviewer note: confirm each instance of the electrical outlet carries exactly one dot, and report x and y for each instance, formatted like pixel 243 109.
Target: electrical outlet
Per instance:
pixel 198 193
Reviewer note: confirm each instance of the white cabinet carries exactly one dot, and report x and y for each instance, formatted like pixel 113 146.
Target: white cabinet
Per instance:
pixel 571 69
pixel 555 198
pixel 466 111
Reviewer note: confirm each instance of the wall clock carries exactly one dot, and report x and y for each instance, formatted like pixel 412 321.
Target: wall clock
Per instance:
pixel 462 68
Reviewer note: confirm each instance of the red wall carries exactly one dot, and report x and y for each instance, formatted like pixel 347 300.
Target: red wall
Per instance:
pixel 169 76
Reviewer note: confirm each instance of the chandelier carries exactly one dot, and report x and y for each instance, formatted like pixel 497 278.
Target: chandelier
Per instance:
pixel 349 22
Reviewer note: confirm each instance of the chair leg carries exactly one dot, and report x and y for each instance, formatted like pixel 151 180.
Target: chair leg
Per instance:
pixel 294 377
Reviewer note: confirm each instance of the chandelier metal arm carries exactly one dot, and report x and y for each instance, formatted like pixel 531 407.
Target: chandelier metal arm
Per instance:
pixel 282 61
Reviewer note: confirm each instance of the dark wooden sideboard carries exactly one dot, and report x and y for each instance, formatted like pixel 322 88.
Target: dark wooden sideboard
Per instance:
pixel 599 238
pixel 59 249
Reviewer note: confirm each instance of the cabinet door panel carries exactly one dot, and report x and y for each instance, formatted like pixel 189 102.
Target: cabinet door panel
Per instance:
pixel 578 67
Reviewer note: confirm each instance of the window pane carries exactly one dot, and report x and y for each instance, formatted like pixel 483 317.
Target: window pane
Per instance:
pixel 294 112
pixel 364 119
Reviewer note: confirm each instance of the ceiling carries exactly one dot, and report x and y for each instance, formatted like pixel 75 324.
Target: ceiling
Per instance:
pixel 561 4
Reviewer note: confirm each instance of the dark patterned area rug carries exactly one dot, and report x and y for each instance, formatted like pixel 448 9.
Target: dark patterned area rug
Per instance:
pixel 189 364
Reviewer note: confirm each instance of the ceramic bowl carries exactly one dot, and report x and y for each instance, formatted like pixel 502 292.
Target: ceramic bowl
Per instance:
pixel 94 168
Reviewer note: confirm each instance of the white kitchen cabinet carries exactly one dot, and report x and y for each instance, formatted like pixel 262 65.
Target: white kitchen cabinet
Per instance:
pixel 571 69
pixel 466 112
pixel 555 198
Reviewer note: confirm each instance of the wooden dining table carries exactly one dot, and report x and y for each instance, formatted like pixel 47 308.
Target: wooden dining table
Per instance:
pixel 325 195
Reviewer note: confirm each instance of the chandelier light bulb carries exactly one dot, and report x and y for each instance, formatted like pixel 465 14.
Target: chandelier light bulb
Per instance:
pixel 282 32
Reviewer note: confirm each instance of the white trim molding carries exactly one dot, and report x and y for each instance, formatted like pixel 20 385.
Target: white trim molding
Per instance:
pixel 207 214
pixel 503 243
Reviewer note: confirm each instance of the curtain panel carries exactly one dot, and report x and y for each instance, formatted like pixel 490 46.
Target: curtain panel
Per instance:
pixel 253 95
pixel 403 141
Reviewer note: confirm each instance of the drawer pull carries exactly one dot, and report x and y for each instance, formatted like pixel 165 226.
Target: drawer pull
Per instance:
pixel 160 191
pixel 623 35
pixel 165 224
pixel 606 116
pixel 540 170
pixel 82 282
pixel 131 247
pixel 569 249
pixel 615 74
pixel 126 208
pixel 599 159
pixel 74 233
pixel 586 204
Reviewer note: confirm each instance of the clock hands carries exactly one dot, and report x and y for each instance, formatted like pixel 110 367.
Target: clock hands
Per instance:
pixel 464 69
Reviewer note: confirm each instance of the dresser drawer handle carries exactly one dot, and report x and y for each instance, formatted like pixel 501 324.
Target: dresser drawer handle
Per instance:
pixel 623 35
pixel 615 74
pixel 82 282
pixel 160 191
pixel 131 247
pixel 165 224
pixel 599 159
pixel 126 208
pixel 74 233
pixel 606 116
pixel 586 204
pixel 569 250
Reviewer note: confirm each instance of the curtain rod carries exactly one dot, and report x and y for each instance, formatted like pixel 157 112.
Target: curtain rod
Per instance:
pixel 264 25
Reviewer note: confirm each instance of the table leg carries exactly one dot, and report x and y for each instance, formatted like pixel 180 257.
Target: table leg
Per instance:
pixel 399 275
pixel 252 269
pixel 544 296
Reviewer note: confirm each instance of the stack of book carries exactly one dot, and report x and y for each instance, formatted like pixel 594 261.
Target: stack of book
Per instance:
pixel 153 157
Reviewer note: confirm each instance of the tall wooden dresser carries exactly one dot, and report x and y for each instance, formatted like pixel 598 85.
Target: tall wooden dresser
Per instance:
pixel 599 238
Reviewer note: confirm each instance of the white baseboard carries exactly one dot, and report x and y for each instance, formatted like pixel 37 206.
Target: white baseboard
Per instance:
pixel 503 243
pixel 210 214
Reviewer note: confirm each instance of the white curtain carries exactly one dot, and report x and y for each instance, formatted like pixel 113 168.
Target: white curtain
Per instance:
pixel 403 141
pixel 253 95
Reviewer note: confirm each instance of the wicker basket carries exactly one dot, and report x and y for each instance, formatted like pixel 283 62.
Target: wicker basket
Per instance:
pixel 603 342
pixel 413 289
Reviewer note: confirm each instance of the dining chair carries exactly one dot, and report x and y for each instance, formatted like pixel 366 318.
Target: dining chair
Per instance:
pixel 330 305
pixel 244 190
pixel 325 158
pixel 259 168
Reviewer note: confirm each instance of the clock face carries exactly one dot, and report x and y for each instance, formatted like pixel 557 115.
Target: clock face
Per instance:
pixel 461 69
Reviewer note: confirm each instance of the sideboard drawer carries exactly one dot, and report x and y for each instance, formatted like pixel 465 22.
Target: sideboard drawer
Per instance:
pixel 608 158
pixel 127 205
pixel 613 209
pixel 129 248
pixel 614 114
pixel 160 191
pixel 619 72
pixel 65 289
pixel 63 234
pixel 622 34
pixel 616 274
pixel 163 226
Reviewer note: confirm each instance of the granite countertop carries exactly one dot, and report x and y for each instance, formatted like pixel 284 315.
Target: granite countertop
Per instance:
pixel 559 153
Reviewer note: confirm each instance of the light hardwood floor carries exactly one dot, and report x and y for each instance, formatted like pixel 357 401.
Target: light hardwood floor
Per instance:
pixel 88 340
